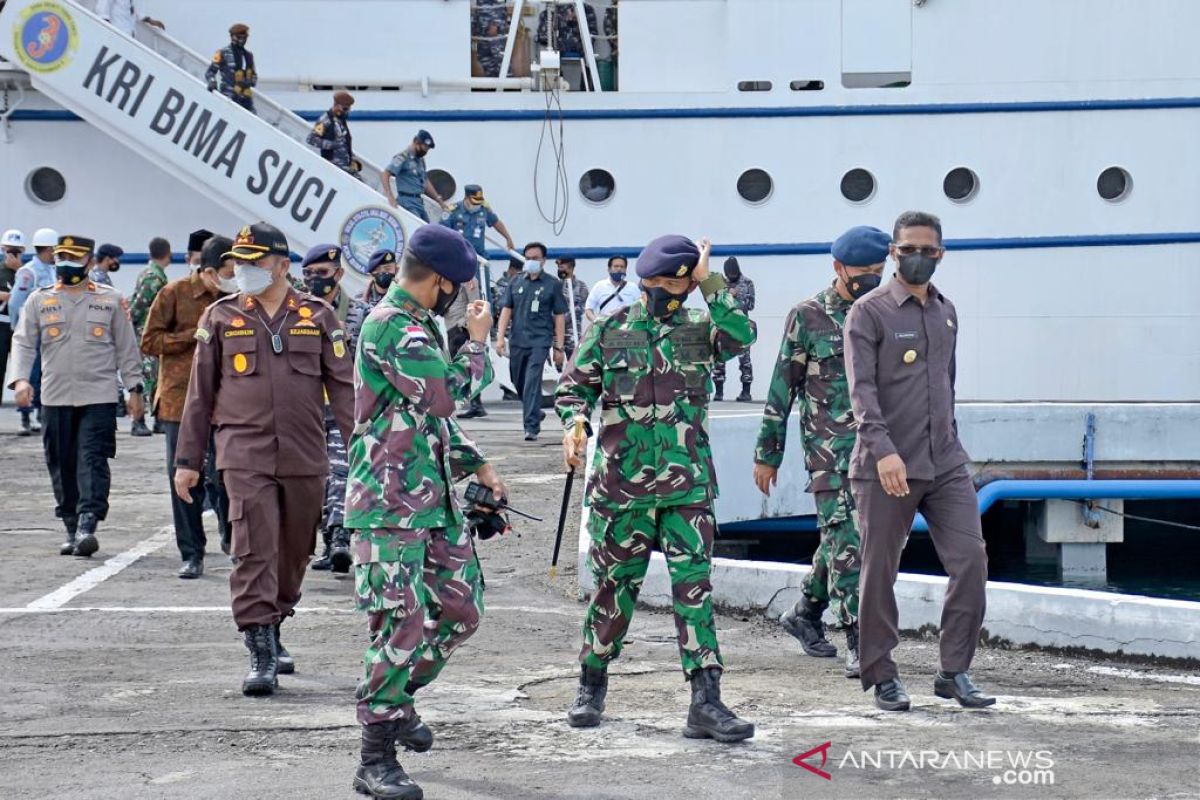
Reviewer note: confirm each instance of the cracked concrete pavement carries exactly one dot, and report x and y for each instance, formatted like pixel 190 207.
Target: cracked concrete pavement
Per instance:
pixel 130 688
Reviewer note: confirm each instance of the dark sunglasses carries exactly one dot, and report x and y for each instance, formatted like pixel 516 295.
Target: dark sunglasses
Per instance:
pixel 908 249
pixel 13 253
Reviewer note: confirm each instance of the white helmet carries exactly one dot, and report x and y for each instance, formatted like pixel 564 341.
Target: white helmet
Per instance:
pixel 13 238
pixel 45 237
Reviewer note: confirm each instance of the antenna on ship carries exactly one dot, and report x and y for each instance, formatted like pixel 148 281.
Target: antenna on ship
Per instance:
pixel 549 71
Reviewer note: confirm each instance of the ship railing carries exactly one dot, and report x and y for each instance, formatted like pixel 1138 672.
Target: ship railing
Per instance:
pixel 291 124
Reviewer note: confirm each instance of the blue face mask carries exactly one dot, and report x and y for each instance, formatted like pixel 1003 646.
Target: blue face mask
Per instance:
pixel 616 277
pixel 532 267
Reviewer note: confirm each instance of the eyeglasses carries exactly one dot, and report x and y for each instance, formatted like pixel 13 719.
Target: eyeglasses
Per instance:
pixel 930 251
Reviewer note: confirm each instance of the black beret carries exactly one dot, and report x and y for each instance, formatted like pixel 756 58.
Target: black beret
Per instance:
pixel 670 256
pixel 109 251
pixel 445 251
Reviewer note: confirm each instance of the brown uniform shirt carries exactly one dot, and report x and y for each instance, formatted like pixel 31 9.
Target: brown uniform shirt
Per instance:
pixel 268 408
pixel 900 361
pixel 170 334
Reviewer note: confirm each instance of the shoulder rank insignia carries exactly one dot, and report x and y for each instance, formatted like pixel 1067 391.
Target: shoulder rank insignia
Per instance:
pixel 319 129
pixel 203 335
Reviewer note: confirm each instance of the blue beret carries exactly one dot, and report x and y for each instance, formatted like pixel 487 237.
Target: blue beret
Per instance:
pixel 445 251
pixel 670 256
pixel 380 258
pixel 424 138
pixel 861 246
pixel 322 254
pixel 471 189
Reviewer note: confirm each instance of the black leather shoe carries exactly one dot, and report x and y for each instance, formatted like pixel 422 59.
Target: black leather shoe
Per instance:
pixel 322 563
pixel 88 543
pixel 284 663
pixel 191 569
pixel 804 622
pixel 340 559
pixel 139 428
pixel 479 411
pixel 469 413
pixel 708 717
pixel 958 686
pixel 589 702
pixel 890 696
pixel 158 427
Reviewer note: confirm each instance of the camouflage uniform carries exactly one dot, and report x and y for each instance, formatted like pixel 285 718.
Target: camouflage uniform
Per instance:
pixel 567 38
pixel 743 292
pixel 490 28
pixel 350 312
pixel 581 294
pixel 331 136
pixel 416 573
pixel 811 366
pixel 235 65
pixel 652 481
pixel 150 282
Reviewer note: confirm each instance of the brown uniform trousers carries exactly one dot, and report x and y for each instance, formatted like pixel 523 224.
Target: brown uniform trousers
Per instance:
pixel 951 508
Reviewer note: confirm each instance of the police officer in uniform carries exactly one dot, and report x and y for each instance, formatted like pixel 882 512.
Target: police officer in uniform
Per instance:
pixel 652 483
pixel 900 353
pixel 265 359
pixel 331 135
pixel 322 270
pixel 85 339
pixel 412 183
pixel 235 66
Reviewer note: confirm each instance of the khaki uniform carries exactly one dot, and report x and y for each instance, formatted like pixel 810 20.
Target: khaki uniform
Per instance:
pixel 267 406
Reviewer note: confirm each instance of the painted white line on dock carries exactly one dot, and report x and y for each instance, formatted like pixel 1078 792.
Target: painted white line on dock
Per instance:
pixel 94 577
pixel 60 609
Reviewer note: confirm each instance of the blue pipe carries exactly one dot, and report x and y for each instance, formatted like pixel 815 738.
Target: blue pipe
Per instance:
pixel 991 493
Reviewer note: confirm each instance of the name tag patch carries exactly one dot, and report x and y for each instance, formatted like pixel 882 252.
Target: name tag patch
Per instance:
pixel 304 331
pixel 905 335
pixel 243 332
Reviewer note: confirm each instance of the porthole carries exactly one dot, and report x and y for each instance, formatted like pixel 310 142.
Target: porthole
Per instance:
pixel 597 185
pixel 755 185
pixel 1114 184
pixel 754 86
pixel 858 185
pixel 806 86
pixel 960 185
pixel 46 185
pixel 443 183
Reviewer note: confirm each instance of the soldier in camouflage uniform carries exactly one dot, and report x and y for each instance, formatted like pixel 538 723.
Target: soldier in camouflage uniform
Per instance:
pixel 322 268
pixel 490 29
pixel 742 289
pixel 331 135
pixel 416 573
pixel 652 482
pixel 812 368
pixel 150 282
pixel 235 66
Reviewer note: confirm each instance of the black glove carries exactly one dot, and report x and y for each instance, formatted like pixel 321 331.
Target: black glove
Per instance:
pixel 486 525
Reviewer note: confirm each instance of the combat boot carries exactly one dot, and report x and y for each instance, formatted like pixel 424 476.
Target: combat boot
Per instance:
pixel 138 428
pixel 88 543
pixel 413 734
pixel 744 397
pixel 339 555
pixel 589 703
pixel 322 563
pixel 284 663
pixel 68 547
pixel 852 651
pixel 708 717
pixel 158 427
pixel 378 773
pixel 804 622
pixel 261 679
pixel 718 391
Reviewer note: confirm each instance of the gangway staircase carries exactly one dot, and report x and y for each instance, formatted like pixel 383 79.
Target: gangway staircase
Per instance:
pixel 150 95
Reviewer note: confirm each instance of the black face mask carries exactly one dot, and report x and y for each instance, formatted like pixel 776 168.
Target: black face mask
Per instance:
pixel 71 274
pixel 445 300
pixel 384 279
pixel 115 268
pixel 917 269
pixel 859 285
pixel 562 274
pixel 662 303
pixel 320 286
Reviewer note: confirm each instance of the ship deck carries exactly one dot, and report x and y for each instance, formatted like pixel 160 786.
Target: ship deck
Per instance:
pixel 125 682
